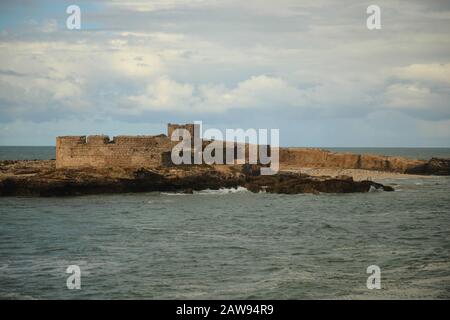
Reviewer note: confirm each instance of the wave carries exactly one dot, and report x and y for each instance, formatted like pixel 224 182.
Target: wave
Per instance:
pixel 221 191
pixel 174 194
pixel 207 192
pixel 375 189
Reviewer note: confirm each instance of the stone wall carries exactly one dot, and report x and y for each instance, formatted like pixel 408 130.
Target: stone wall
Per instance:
pixel 101 152
pixel 291 158
pixel 125 151
pixel 154 151
pixel 220 146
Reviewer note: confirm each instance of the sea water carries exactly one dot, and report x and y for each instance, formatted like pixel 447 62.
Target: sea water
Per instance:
pixel 230 243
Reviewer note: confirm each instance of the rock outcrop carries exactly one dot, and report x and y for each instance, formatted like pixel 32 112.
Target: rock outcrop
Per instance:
pixel 41 178
pixel 434 166
pixel 291 183
pixel 295 158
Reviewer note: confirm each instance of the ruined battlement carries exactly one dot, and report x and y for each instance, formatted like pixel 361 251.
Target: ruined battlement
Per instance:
pixel 99 151
pixel 194 129
pixel 103 139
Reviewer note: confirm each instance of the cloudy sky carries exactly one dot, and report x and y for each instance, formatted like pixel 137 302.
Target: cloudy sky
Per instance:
pixel 310 68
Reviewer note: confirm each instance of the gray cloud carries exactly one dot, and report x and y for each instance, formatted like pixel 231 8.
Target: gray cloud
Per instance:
pixel 282 63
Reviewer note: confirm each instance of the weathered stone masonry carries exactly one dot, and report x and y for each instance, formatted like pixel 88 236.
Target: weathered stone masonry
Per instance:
pixel 122 151
pixel 101 152
pixel 154 151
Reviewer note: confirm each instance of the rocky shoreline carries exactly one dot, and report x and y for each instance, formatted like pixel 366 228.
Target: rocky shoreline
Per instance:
pixel 41 178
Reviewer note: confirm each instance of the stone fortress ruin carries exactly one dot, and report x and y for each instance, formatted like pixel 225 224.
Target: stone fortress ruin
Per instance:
pixel 99 151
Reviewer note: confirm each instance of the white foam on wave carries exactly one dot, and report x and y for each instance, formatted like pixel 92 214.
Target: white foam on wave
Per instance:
pixel 174 194
pixel 374 189
pixel 221 191
pixel 208 192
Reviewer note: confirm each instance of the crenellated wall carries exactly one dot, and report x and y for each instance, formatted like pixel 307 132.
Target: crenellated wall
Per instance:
pixel 124 151
pixel 101 152
pixel 153 151
pixel 194 129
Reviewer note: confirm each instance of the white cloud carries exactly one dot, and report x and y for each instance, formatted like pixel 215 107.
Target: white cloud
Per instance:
pixel 256 92
pixel 422 87
pixel 288 59
pixel 432 74
pixel 164 95
pixel 135 62
pixel 69 76
pixel 155 5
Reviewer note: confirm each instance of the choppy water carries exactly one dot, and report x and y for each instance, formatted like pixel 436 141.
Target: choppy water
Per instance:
pixel 27 153
pixel 229 245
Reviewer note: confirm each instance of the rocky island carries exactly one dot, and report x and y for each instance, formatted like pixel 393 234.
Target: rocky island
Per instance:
pixel 96 164
pixel 41 178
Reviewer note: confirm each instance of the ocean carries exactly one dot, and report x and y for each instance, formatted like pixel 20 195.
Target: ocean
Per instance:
pixel 27 153
pixel 228 243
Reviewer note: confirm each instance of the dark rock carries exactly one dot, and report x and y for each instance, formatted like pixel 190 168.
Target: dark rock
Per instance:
pixel 294 183
pixel 42 179
pixel 251 170
pixel 435 166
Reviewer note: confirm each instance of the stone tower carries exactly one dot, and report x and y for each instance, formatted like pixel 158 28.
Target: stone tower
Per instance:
pixel 194 129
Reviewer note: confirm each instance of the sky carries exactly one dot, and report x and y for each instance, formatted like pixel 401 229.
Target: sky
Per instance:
pixel 309 68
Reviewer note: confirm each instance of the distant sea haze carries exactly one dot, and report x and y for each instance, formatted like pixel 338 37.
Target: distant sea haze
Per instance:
pixel 48 152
